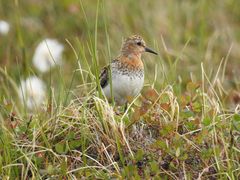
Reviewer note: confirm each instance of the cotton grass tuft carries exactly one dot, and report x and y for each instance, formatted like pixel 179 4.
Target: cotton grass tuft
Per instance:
pixel 48 54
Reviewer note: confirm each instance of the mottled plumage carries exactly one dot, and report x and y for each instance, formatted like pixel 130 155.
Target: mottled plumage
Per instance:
pixel 104 77
pixel 127 72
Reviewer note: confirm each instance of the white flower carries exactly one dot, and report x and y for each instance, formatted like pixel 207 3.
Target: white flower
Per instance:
pixel 48 54
pixel 4 27
pixel 32 92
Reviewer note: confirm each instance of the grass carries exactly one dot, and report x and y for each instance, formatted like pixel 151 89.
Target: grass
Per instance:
pixel 184 125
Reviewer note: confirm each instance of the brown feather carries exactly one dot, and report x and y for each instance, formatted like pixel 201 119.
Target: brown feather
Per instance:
pixel 104 76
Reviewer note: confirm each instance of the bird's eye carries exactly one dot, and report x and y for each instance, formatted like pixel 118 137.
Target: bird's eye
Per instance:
pixel 139 43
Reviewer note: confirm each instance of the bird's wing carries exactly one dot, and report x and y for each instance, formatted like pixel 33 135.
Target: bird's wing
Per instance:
pixel 104 77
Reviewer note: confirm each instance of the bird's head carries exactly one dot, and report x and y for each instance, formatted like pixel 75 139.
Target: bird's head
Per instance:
pixel 135 45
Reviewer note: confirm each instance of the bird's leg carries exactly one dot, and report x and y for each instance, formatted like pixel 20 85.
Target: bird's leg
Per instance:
pixel 125 107
pixel 129 100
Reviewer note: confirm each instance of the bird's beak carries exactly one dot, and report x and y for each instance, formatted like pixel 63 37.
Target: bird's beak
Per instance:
pixel 150 51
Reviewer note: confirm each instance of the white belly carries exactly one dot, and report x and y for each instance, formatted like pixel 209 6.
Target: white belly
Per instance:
pixel 124 87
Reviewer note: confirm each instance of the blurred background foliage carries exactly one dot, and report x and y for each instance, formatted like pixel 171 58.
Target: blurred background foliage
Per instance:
pixel 185 33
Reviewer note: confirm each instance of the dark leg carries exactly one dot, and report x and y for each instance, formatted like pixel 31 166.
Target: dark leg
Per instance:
pixel 125 107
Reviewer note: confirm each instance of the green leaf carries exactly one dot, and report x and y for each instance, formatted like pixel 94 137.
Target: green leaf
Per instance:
pixel 61 148
pixel 206 153
pixel 236 117
pixel 191 125
pixel 160 144
pixel 186 114
pixel 50 169
pixel 70 135
pixel 197 106
pixel 206 121
pixel 139 155
pixel 178 152
pixel 154 167
pixel 236 122
pixel 73 144
pixel 63 167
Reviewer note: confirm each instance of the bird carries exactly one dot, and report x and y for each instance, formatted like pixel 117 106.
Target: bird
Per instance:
pixel 123 78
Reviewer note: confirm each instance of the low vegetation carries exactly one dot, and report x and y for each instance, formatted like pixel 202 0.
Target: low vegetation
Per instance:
pixel 185 124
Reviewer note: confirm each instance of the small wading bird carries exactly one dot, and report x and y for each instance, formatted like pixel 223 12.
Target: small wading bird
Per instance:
pixel 127 72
